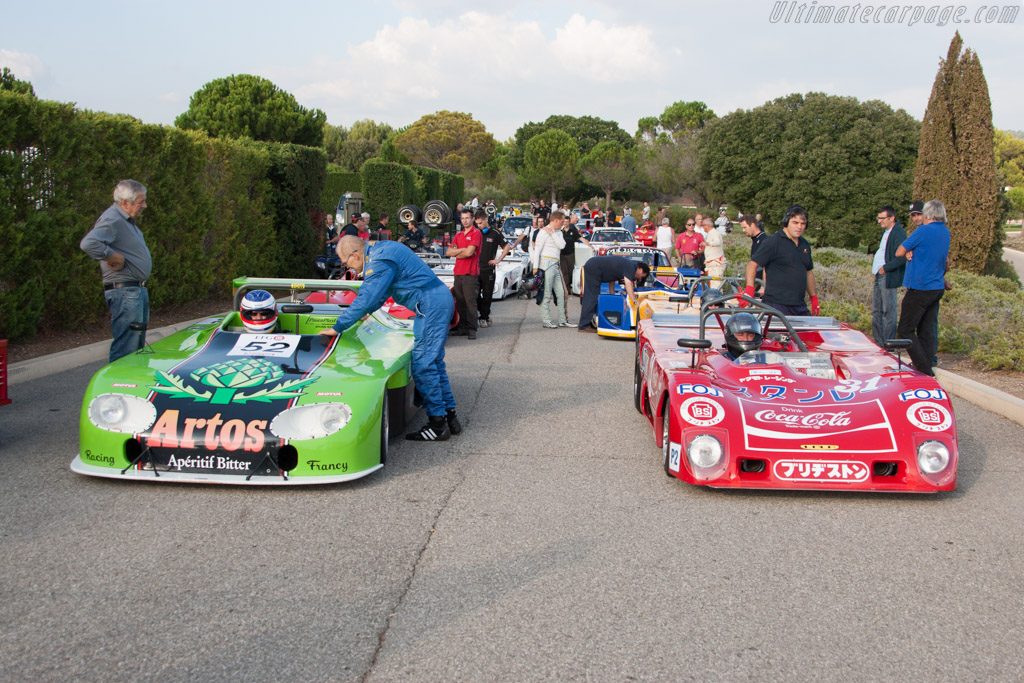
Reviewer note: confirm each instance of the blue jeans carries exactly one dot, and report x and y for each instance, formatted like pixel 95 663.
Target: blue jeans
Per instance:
pixel 553 289
pixel 883 315
pixel 127 305
pixel 430 332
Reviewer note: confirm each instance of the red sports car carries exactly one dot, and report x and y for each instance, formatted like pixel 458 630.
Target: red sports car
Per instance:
pixel 813 404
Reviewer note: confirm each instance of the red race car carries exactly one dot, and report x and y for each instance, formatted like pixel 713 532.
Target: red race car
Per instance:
pixel 788 403
pixel 645 234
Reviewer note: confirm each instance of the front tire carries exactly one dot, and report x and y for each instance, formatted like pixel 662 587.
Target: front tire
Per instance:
pixel 637 381
pixel 666 448
pixel 385 429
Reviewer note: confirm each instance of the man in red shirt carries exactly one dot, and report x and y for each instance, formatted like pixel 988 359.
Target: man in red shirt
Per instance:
pixel 689 244
pixel 465 248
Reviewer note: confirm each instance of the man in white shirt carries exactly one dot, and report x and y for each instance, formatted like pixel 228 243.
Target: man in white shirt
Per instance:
pixel 888 270
pixel 664 236
pixel 714 252
pixel 723 223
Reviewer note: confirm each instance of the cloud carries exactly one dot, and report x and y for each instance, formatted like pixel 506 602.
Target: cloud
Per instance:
pixel 421 65
pixel 24 66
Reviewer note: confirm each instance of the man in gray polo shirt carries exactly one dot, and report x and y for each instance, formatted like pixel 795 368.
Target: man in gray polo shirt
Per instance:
pixel 125 263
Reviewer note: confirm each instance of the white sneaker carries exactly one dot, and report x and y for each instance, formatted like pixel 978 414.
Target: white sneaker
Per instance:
pixel 485 323
pixel 567 323
pixel 550 326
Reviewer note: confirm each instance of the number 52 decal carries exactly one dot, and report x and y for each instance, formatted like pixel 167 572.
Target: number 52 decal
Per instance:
pixel 274 345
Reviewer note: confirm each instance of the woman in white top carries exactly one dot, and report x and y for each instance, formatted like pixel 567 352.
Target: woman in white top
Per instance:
pixel 664 237
pixel 547 251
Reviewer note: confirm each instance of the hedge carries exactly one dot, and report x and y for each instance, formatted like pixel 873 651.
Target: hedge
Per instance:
pixel 427 185
pixel 386 187
pixel 217 209
pixel 338 182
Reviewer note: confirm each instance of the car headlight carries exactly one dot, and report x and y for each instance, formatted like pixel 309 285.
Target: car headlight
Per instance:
pixel 705 451
pixel 932 457
pixel 122 413
pixel 312 421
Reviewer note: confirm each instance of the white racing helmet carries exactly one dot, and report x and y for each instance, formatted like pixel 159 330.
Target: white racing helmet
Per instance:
pixel 254 310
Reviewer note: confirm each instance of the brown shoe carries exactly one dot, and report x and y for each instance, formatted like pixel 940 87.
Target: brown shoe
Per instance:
pixel 588 328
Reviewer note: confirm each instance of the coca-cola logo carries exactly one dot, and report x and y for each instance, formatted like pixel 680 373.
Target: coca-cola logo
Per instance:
pixel 815 420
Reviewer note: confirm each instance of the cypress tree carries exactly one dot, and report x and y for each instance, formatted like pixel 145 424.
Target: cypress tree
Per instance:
pixel 956 159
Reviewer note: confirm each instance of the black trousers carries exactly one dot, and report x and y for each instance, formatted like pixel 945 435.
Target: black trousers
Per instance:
pixel 483 300
pixel 588 297
pixel 567 264
pixel 465 290
pixel 919 322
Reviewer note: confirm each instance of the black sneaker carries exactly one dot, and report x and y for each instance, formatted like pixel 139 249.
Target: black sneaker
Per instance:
pixel 436 429
pixel 453 422
pixel 458 332
pixel 471 334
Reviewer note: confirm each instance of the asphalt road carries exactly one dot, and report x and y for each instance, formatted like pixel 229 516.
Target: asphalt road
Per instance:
pixel 1016 259
pixel 543 543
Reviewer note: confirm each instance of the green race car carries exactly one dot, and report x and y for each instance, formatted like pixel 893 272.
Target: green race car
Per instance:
pixel 216 404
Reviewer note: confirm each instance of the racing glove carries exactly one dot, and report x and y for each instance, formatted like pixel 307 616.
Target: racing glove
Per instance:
pixel 815 306
pixel 749 291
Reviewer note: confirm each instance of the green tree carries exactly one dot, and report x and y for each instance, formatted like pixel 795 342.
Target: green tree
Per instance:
pixel 669 150
pixel 448 141
pixel 586 131
pixel 1010 158
pixel 550 162
pixel 246 106
pixel 610 167
pixel 349 148
pixel 12 84
pixel 840 158
pixel 369 130
pixel 956 160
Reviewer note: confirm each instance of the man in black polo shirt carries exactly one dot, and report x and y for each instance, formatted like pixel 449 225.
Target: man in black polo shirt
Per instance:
pixel 493 240
pixel 599 270
pixel 567 258
pixel 788 267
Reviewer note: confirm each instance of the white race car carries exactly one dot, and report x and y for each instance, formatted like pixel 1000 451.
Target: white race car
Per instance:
pixel 510 272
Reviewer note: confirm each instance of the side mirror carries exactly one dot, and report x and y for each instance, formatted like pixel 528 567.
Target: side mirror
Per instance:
pixel 893 344
pixel 296 308
pixel 137 327
pixel 679 299
pixel 687 343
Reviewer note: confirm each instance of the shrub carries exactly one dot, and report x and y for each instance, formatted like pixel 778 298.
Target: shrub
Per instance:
pixel 386 186
pixel 337 183
pixel 217 209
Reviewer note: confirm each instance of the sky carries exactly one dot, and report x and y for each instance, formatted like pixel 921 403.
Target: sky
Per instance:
pixel 506 63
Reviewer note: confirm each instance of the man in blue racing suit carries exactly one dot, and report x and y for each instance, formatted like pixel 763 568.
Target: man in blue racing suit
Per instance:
pixel 390 269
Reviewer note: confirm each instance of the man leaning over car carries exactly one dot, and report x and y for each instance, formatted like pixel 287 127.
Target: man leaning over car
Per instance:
pixel 391 270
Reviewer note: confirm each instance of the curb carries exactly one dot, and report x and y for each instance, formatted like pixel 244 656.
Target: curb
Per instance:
pixel 982 395
pixel 34 368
